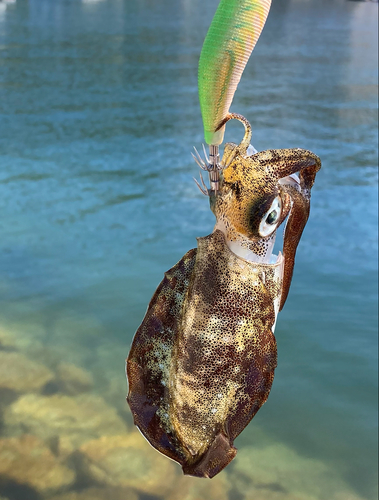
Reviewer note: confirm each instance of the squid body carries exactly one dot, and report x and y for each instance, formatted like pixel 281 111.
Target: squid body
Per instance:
pixel 202 362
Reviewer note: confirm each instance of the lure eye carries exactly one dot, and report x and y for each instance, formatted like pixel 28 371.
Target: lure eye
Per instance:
pixel 271 218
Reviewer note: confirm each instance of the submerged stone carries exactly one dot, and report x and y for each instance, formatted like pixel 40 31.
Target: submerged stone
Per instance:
pixel 127 461
pixel 72 379
pixel 277 472
pixel 190 488
pixel 107 365
pixel 97 494
pixel 7 341
pixel 28 461
pixel 22 337
pixel 68 421
pixel 20 374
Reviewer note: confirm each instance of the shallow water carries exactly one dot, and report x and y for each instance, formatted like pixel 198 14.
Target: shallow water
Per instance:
pixel 99 112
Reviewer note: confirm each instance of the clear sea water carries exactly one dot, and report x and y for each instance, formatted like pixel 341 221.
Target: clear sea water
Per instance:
pixel 98 115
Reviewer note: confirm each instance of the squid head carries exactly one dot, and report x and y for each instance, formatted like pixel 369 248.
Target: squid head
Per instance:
pixel 257 193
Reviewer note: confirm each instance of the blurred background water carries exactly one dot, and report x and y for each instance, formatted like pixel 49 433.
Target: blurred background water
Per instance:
pixel 99 112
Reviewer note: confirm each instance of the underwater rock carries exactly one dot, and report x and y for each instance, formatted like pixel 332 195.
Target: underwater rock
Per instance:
pixel 108 362
pixel 112 388
pixel 127 461
pixel 20 374
pixel 97 494
pixel 70 421
pixel 7 341
pixel 72 337
pixel 271 494
pixel 190 488
pixel 72 379
pixel 276 472
pixel 27 460
pixel 22 337
pixel 347 495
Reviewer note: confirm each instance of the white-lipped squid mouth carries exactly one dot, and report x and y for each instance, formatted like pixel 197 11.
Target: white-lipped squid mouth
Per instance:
pixel 240 247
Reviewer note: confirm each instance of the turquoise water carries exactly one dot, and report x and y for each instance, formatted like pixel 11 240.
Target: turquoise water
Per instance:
pixel 98 115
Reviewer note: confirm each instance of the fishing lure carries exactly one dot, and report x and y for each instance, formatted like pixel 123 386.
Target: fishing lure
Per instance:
pixel 202 362
pixel 232 35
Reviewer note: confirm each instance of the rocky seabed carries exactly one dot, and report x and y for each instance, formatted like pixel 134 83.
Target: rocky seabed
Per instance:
pixel 66 434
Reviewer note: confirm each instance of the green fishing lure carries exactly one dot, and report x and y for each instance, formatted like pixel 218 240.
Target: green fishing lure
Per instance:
pixel 230 40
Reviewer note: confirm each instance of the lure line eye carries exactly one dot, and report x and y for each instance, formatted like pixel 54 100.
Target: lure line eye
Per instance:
pixel 271 218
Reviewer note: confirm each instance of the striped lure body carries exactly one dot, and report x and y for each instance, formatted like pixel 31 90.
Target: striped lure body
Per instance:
pixel 230 40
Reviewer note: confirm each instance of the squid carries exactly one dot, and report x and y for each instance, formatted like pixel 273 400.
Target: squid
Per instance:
pixel 202 361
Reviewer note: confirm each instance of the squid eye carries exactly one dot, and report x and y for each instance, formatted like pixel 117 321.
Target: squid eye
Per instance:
pixel 271 217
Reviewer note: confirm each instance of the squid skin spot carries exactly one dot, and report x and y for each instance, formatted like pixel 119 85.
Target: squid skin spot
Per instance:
pixel 173 282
